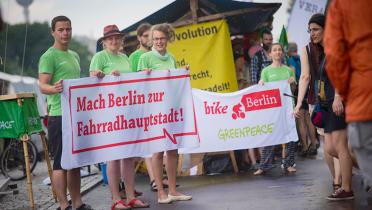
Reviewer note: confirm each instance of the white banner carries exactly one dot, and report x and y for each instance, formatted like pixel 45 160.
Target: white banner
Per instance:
pixel 253 117
pixel 132 115
pixel 298 21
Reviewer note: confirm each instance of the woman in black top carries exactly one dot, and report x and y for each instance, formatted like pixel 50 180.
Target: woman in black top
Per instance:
pixel 335 143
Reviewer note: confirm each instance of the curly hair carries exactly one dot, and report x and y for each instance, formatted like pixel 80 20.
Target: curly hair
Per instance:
pixel 166 28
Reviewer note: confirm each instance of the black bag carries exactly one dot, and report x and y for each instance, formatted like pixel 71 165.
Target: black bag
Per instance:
pixel 217 164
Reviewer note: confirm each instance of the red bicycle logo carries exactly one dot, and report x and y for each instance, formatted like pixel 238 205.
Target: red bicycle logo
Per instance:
pixel 237 112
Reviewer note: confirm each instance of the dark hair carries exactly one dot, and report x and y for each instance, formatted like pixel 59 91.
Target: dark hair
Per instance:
pixel 318 19
pixel 143 28
pixel 265 31
pixel 276 44
pixel 60 18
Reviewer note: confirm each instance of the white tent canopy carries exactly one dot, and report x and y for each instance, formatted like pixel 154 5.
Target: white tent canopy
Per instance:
pixel 21 84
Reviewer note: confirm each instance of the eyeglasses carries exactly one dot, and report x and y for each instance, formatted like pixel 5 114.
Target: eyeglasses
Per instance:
pixel 313 30
pixel 157 39
pixel 145 35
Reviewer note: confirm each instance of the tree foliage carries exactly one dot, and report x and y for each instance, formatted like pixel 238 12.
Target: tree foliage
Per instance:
pixel 38 41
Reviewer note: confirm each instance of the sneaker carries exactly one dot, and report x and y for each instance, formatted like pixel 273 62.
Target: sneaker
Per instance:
pixel 340 195
pixel 336 187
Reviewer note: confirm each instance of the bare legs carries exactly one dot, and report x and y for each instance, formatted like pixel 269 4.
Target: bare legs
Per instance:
pixel 70 180
pixel 128 173
pixel 306 129
pixel 113 173
pixel 157 163
pixel 336 145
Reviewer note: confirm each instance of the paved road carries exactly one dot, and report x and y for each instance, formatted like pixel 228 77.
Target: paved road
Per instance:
pixel 306 189
pixel 42 193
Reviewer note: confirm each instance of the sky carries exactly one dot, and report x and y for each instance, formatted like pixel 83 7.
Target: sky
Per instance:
pixel 90 16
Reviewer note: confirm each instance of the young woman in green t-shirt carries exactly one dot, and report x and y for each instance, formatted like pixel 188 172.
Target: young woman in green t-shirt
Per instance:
pixel 159 59
pixel 277 72
pixel 112 61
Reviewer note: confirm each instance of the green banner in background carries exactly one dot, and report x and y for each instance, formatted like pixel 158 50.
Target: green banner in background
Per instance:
pixel 11 119
pixel 17 120
pixel 31 116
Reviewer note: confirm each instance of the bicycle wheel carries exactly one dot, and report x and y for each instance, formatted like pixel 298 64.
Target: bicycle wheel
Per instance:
pixel 13 161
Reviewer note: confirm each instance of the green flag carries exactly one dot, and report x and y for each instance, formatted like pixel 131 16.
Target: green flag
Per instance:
pixel 283 40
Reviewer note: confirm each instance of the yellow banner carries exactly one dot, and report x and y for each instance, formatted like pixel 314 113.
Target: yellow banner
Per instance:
pixel 206 47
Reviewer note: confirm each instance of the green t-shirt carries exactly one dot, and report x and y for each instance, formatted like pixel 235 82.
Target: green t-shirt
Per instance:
pixel 152 60
pixel 272 74
pixel 61 65
pixel 106 62
pixel 134 58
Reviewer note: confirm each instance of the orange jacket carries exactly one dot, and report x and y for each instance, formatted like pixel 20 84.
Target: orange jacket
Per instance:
pixel 348 48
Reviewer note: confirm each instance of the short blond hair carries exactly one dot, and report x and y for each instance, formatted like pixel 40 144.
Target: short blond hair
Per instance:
pixel 166 28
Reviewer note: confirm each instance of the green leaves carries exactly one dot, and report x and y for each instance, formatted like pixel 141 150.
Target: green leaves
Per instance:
pixel 39 39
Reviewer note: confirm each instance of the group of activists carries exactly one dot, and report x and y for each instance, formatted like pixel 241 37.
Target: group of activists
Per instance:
pixel 313 73
pixel 59 63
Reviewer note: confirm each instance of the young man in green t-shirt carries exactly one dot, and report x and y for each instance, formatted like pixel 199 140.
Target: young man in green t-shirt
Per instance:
pixel 56 64
pixel 143 32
